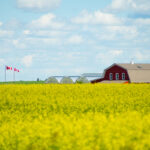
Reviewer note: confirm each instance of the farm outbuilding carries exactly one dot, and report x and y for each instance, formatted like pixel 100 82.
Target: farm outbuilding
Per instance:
pixel 121 73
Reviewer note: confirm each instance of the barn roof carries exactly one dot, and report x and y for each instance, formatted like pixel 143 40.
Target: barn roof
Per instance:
pixel 138 73
pixel 135 66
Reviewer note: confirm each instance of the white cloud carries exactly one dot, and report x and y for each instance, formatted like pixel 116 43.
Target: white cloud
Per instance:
pixel 26 32
pixel 49 33
pixel 138 6
pixel 70 56
pixel 15 42
pixel 128 32
pixel 53 41
pixel 142 56
pixel 142 21
pixel 2 61
pixel 115 33
pixel 76 39
pixel 120 4
pixel 43 41
pixel 41 5
pixel 97 17
pixel 27 60
pixel 116 52
pixel 104 59
pixel 1 23
pixel 13 24
pixel 47 21
pixel 108 57
pixel 18 44
pixel 122 29
pixel 5 33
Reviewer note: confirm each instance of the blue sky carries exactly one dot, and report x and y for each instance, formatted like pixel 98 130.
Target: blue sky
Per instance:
pixel 43 38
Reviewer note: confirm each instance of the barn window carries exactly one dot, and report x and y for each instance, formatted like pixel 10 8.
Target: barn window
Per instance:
pixel 117 76
pixel 110 76
pixel 123 76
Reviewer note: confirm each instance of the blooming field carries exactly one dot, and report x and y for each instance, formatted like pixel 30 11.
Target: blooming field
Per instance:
pixel 75 117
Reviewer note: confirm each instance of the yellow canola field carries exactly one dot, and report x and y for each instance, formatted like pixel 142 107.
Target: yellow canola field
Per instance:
pixel 75 117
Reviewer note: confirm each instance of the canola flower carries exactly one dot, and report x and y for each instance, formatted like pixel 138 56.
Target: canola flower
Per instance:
pixel 75 117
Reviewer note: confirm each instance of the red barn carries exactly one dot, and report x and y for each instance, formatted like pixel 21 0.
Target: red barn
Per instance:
pixel 121 73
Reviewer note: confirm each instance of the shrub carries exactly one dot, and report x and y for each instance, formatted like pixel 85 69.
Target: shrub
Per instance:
pixel 66 80
pixel 82 80
pixel 51 80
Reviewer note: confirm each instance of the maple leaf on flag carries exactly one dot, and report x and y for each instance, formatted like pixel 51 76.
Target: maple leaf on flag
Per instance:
pixel 8 68
pixel 16 69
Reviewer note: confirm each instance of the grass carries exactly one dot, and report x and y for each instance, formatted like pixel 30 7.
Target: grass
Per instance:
pixel 23 82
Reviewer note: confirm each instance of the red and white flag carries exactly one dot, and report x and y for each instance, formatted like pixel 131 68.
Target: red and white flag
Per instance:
pixel 16 69
pixel 8 68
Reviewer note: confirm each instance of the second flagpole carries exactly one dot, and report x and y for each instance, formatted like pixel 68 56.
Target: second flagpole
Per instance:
pixel 14 74
pixel 5 73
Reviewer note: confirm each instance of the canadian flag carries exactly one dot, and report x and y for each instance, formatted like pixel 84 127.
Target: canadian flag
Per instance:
pixel 16 69
pixel 8 68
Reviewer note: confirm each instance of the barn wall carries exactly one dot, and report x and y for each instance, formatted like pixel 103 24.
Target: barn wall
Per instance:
pixel 116 69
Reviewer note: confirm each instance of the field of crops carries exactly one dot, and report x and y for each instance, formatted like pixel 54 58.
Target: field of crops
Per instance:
pixel 75 117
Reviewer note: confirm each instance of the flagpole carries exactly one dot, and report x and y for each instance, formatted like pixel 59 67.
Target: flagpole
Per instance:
pixel 14 75
pixel 5 73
